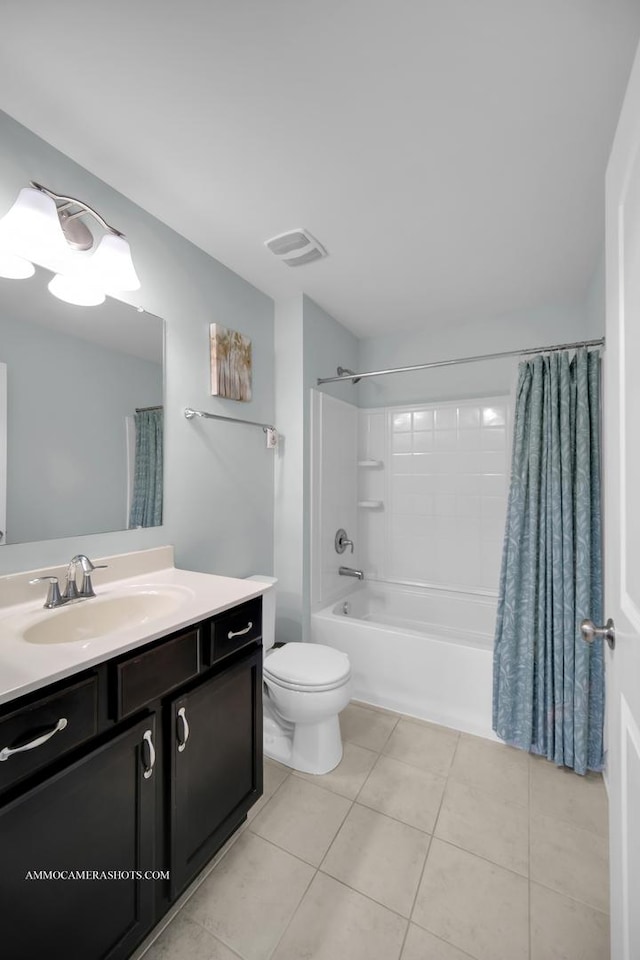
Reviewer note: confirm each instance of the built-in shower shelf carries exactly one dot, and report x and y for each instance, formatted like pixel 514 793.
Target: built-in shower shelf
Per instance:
pixel 370 464
pixel 371 504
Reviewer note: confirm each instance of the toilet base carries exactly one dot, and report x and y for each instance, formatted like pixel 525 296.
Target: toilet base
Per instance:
pixel 308 747
pixel 276 741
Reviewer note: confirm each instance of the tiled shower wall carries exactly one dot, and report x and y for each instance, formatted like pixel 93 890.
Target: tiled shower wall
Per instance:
pixel 432 506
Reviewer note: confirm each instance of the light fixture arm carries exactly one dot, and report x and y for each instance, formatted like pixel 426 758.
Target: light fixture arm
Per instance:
pixel 72 201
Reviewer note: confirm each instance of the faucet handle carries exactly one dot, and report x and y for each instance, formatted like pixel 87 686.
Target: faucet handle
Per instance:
pixel 86 588
pixel 342 541
pixel 53 594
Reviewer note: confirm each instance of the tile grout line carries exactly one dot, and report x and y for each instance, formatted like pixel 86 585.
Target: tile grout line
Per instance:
pixel 567 896
pixel 534 758
pixel 446 783
pixel 227 946
pixel 426 860
pixel 435 824
pixel 366 896
pixel 291 918
pixel 334 793
pixel 390 816
pixel 413 766
pixel 316 871
pixel 247 825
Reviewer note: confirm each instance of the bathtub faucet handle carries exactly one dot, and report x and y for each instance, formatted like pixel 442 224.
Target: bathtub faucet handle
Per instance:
pixel 342 541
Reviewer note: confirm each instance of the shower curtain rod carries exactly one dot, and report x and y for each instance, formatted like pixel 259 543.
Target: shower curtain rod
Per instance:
pixel 451 363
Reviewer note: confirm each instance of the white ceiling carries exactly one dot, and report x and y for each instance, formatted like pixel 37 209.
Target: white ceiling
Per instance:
pixel 450 154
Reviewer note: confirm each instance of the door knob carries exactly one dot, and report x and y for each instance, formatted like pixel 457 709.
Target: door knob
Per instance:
pixel 590 632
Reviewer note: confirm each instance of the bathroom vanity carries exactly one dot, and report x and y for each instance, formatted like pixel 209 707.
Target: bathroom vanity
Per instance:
pixel 146 760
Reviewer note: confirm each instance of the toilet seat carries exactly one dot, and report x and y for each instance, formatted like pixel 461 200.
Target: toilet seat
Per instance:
pixel 308 687
pixel 307 667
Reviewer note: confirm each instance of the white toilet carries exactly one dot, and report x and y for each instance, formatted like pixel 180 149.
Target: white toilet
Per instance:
pixel 306 685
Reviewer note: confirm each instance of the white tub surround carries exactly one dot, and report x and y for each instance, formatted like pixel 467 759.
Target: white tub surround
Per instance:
pixel 426 653
pixel 183 597
pixel 440 492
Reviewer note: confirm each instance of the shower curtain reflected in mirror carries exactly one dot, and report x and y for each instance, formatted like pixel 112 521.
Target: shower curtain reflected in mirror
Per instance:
pixel 548 693
pixel 146 506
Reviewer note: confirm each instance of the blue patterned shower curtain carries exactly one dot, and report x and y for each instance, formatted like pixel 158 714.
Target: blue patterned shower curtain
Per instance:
pixel 548 684
pixel 146 504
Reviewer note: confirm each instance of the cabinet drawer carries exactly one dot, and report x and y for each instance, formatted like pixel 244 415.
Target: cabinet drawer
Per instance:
pixel 234 629
pixel 45 729
pixel 144 677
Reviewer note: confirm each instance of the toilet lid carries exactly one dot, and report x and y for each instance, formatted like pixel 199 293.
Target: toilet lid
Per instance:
pixel 307 664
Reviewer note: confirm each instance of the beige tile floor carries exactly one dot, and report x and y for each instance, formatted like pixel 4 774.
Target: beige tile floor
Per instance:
pixel 424 844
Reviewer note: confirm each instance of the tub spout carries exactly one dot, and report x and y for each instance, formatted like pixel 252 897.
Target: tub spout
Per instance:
pixel 350 572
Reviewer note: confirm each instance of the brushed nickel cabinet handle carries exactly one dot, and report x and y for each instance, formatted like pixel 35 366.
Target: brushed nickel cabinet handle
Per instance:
pixel 239 633
pixel 7 752
pixel 147 738
pixel 182 740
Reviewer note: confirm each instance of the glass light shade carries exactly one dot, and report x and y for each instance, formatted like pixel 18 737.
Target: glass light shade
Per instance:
pixel 31 230
pixel 111 266
pixel 73 289
pixel 15 268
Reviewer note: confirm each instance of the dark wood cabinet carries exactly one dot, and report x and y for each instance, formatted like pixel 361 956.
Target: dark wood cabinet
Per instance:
pixel 216 764
pixel 96 815
pixel 158 763
pixel 39 732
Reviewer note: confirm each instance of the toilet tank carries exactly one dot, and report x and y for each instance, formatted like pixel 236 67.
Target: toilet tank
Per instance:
pixel 268 609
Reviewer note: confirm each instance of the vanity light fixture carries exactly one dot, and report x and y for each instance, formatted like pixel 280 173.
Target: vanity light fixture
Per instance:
pixel 48 228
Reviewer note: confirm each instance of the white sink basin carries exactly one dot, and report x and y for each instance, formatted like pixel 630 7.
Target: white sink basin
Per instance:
pixel 89 619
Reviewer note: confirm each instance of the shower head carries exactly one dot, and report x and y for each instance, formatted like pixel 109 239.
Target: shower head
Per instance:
pixel 344 371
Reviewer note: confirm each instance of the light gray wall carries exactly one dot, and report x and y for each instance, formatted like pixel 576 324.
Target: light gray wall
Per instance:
pixel 67 452
pixel 218 477
pixel 289 490
pixel 595 304
pixel 541 327
pixel 309 343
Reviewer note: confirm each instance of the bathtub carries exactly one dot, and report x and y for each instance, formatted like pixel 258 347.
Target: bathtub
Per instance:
pixel 421 651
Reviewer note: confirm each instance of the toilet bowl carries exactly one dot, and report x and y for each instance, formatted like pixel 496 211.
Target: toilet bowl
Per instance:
pixel 306 685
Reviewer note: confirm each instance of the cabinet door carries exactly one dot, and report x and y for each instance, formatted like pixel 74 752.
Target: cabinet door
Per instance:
pixel 216 764
pixel 95 815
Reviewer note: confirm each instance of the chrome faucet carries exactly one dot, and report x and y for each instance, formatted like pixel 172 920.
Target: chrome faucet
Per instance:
pixel 71 593
pixel 350 572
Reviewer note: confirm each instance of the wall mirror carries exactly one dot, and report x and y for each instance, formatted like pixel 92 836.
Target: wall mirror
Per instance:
pixel 81 418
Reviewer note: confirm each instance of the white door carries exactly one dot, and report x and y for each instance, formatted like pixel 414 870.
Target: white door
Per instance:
pixel 621 471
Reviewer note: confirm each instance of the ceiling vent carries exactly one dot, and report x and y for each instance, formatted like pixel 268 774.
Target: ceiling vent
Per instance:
pixel 296 247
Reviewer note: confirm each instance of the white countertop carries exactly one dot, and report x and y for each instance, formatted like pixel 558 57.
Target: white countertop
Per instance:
pixel 25 667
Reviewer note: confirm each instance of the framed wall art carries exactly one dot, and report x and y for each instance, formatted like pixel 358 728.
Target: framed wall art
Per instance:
pixel 231 365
